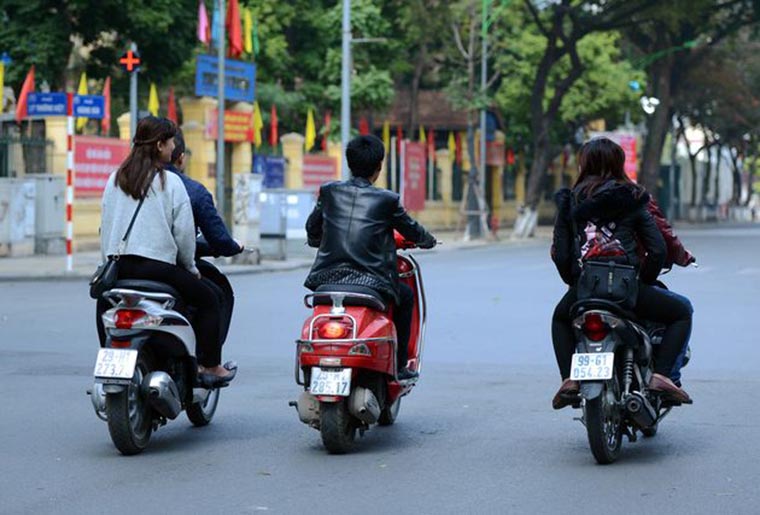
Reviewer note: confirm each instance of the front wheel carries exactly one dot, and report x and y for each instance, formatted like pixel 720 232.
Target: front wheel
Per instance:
pixel 337 427
pixel 130 421
pixel 604 424
pixel 201 413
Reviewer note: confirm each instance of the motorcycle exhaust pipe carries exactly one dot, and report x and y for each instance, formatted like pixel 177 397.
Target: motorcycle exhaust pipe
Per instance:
pixel 162 394
pixel 308 409
pixel 639 409
pixel 363 405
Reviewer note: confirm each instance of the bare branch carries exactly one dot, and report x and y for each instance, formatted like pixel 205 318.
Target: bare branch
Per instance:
pixel 493 79
pixel 458 40
pixel 536 18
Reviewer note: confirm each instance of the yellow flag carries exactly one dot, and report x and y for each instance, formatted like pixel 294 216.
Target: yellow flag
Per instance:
pixel 258 124
pixel 452 144
pixel 311 131
pixel 423 139
pixel 247 31
pixel 153 100
pixel 82 90
pixel 387 135
pixel 2 84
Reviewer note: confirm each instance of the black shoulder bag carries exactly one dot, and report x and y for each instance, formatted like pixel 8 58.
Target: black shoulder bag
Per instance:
pixel 606 280
pixel 107 273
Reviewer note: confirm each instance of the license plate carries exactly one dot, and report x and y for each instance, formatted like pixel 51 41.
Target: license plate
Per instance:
pixel 591 367
pixel 330 381
pixel 115 363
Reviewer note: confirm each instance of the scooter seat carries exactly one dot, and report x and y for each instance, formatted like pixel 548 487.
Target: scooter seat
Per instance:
pixel 145 285
pixel 376 301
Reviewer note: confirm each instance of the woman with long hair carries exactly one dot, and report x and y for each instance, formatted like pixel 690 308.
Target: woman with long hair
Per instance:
pixel 612 220
pixel 161 245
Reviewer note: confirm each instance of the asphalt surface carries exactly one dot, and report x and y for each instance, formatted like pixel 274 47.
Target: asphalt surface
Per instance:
pixel 477 435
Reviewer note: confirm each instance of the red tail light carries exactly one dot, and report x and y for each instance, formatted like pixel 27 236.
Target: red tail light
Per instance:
pixel 334 329
pixel 121 344
pixel 594 327
pixel 124 318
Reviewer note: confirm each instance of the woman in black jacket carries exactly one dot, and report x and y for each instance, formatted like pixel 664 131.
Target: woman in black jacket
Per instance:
pixel 611 219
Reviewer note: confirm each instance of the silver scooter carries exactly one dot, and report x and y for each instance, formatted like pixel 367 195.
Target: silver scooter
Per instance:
pixel 147 373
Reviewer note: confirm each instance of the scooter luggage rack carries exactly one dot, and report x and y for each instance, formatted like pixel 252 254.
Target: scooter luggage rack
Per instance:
pixel 133 297
pixel 337 298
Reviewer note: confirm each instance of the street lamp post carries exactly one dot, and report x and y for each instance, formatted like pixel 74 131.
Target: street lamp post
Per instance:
pixel 345 98
pixel 220 190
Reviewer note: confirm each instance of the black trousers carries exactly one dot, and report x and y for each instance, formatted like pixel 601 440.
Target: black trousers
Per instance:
pixel 402 318
pixel 653 303
pixel 194 291
pixel 219 283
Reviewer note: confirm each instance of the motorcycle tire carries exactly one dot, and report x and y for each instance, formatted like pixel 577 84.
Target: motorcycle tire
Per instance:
pixel 130 418
pixel 604 424
pixel 389 414
pixel 201 413
pixel 337 427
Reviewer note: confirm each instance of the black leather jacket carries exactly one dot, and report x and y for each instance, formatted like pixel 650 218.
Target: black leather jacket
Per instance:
pixel 626 207
pixel 352 224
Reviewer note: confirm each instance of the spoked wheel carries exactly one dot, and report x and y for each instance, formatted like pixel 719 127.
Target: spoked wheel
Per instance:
pixel 337 427
pixel 201 413
pixel 130 421
pixel 390 413
pixel 604 423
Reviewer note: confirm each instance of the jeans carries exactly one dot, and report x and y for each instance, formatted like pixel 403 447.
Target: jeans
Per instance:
pixel 221 285
pixel 654 304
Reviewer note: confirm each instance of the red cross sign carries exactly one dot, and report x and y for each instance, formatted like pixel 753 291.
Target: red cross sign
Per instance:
pixel 130 61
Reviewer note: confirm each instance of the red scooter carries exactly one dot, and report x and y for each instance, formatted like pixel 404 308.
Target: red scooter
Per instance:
pixel 346 357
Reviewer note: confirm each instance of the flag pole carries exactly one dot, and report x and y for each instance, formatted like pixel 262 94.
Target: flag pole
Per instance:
pixel 345 99
pixel 220 200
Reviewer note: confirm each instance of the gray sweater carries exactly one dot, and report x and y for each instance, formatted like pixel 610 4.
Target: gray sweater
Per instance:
pixel 164 229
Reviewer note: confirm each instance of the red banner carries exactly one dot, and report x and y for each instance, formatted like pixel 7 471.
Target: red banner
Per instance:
pixel 414 176
pixel 238 126
pixel 318 170
pixel 95 159
pixel 628 141
pixel 496 152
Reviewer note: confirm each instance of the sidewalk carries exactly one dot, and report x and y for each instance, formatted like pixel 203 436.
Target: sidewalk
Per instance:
pixel 42 267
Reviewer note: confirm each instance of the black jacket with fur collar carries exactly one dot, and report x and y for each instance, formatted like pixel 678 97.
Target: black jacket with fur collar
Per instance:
pixel 623 204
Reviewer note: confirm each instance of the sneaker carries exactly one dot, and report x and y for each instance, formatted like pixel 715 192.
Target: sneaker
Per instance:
pixel 404 374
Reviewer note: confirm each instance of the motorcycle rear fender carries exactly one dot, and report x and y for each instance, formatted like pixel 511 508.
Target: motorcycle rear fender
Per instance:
pixel 590 390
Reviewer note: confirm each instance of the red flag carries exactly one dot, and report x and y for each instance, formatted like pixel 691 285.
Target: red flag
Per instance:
pixel 363 126
pixel 510 157
pixel 171 108
pixel 106 121
pixel 274 136
pixel 328 120
pixel 399 137
pixel 234 29
pixel 431 144
pixel 459 149
pixel 27 88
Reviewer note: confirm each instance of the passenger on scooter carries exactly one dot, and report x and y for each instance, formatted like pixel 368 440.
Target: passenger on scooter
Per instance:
pixel 161 246
pixel 353 224
pixel 216 240
pixel 609 208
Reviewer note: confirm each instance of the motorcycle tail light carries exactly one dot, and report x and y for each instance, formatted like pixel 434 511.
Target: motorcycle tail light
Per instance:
pixel 360 349
pixel 126 318
pixel 334 330
pixel 594 327
pixel 121 344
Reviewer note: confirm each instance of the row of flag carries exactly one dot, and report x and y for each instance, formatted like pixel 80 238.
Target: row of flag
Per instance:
pixel 82 89
pixel 242 34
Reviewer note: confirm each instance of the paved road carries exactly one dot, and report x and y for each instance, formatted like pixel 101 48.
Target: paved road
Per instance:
pixel 477 435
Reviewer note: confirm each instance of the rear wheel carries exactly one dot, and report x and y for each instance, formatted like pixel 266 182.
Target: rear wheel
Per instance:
pixel 337 427
pixel 604 423
pixel 201 413
pixel 130 420
pixel 390 413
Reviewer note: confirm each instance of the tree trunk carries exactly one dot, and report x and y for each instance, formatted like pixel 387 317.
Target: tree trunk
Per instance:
pixel 708 174
pixel 694 178
pixel 658 125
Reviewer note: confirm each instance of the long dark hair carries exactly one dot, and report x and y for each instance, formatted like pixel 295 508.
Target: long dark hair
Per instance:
pixel 601 160
pixel 135 173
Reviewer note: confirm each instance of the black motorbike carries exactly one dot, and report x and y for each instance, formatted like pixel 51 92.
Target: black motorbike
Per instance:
pixel 613 363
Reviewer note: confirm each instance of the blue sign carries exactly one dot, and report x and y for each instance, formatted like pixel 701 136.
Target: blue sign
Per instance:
pixel 272 168
pixel 239 78
pixel 89 106
pixel 46 104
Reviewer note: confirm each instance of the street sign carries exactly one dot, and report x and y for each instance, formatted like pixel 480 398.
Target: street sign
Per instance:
pixel 46 104
pixel 89 106
pixel 130 60
pixel 239 78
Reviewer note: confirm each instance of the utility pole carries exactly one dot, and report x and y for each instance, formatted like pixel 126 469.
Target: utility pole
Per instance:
pixel 133 97
pixel 220 190
pixel 345 81
pixel 483 87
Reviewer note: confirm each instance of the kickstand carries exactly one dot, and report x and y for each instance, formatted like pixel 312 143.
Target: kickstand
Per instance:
pixel 581 420
pixel 630 433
